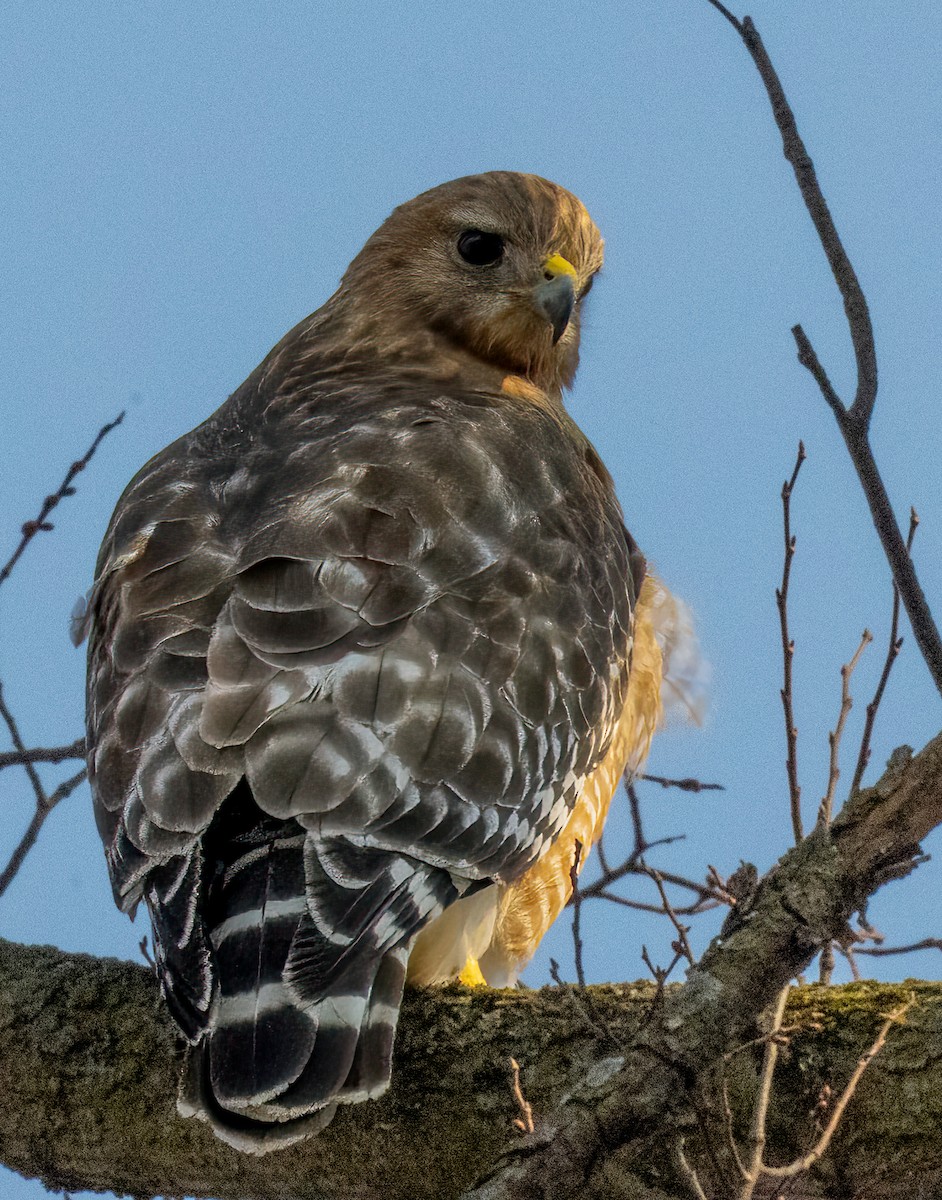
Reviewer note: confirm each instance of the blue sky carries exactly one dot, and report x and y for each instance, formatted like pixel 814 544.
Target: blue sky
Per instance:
pixel 182 183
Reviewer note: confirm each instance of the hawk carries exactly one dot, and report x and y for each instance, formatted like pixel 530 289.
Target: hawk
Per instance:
pixel 370 649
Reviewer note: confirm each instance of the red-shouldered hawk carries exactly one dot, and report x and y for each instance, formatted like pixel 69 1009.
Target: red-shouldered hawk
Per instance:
pixel 361 668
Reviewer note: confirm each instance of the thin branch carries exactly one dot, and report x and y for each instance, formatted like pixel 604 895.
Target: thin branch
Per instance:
pixel 814 1154
pixel 41 523
pixel 686 1171
pixel 737 25
pixel 729 1132
pixel 760 1109
pixel 634 809
pixel 683 785
pixel 788 651
pixel 632 866
pixel 834 737
pixel 577 913
pixel 892 651
pixel 681 946
pixel 525 1121
pixel 684 910
pixel 28 840
pixel 44 803
pixel 42 800
pixel 50 754
pixel 855 303
pixel 780 1034
pixel 600 853
pixel 879 951
pixel 808 358
pixel 660 976
pixel 853 422
pixel 851 955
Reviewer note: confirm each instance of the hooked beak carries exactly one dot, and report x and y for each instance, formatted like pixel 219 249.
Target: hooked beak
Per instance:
pixel 555 297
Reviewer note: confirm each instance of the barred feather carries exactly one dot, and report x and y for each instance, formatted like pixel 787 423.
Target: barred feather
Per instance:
pixel 359 645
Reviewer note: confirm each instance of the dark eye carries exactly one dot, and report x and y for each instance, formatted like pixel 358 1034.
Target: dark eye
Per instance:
pixel 480 249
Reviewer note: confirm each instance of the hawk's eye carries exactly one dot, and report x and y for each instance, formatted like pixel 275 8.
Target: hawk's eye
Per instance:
pixel 480 249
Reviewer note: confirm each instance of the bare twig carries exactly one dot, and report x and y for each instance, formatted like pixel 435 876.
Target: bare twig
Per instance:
pixel 788 651
pixel 44 803
pixel 50 754
pixel 142 945
pixel 683 785
pixel 631 866
pixel 853 422
pixel 718 887
pixel 729 1132
pixel 760 1109
pixel 851 955
pixel 525 1121
pixel 893 649
pixel 577 913
pixel 600 853
pixel 727 14
pixel 41 524
pixel 686 1171
pixel 660 976
pixel 814 1154
pixel 834 737
pixel 634 808
pixel 780 1034
pixel 28 839
pixel 42 800
pixel 706 896
pixel 879 951
pixel 682 910
pixel 681 946
pixel 756 1167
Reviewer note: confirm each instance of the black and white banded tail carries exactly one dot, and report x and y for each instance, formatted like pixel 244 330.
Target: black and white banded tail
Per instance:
pixel 302 944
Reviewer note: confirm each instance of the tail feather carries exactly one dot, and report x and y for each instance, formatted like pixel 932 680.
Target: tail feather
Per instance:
pixel 309 942
pixel 180 944
pixel 260 1041
pixel 370 1070
pixel 348 1046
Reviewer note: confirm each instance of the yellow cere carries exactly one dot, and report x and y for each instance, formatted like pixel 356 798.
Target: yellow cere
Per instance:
pixel 556 265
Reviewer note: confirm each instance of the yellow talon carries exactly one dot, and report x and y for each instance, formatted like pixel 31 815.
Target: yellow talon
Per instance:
pixel 471 975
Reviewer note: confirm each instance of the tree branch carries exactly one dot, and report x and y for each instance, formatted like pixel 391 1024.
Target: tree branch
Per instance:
pixel 788 651
pixel 40 524
pixel 43 754
pixel 853 422
pixel 892 651
pixel 88 1066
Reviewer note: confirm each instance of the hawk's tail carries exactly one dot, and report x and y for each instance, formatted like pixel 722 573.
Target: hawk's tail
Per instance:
pixel 275 1064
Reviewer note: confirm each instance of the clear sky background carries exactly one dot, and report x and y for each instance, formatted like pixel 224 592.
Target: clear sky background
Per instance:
pixel 182 183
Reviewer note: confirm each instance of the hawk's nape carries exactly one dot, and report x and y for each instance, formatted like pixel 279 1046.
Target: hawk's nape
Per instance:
pixel 360 656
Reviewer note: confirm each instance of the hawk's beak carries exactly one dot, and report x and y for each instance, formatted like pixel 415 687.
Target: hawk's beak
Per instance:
pixel 555 296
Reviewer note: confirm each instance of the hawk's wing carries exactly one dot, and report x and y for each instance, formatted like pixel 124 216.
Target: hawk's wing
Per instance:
pixel 349 661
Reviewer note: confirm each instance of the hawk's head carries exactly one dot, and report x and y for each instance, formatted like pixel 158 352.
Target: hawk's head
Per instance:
pixel 492 266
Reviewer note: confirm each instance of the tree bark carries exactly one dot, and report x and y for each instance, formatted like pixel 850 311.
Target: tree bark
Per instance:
pixel 89 1061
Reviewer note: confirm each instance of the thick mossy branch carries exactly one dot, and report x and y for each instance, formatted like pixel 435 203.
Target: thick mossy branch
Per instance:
pixel 88 1067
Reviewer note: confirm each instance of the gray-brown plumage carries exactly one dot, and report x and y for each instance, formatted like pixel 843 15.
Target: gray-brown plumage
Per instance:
pixel 357 642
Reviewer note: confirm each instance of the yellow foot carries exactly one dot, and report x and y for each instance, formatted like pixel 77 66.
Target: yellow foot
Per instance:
pixel 471 975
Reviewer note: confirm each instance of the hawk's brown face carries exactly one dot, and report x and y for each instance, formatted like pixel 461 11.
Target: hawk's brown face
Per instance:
pixel 497 265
